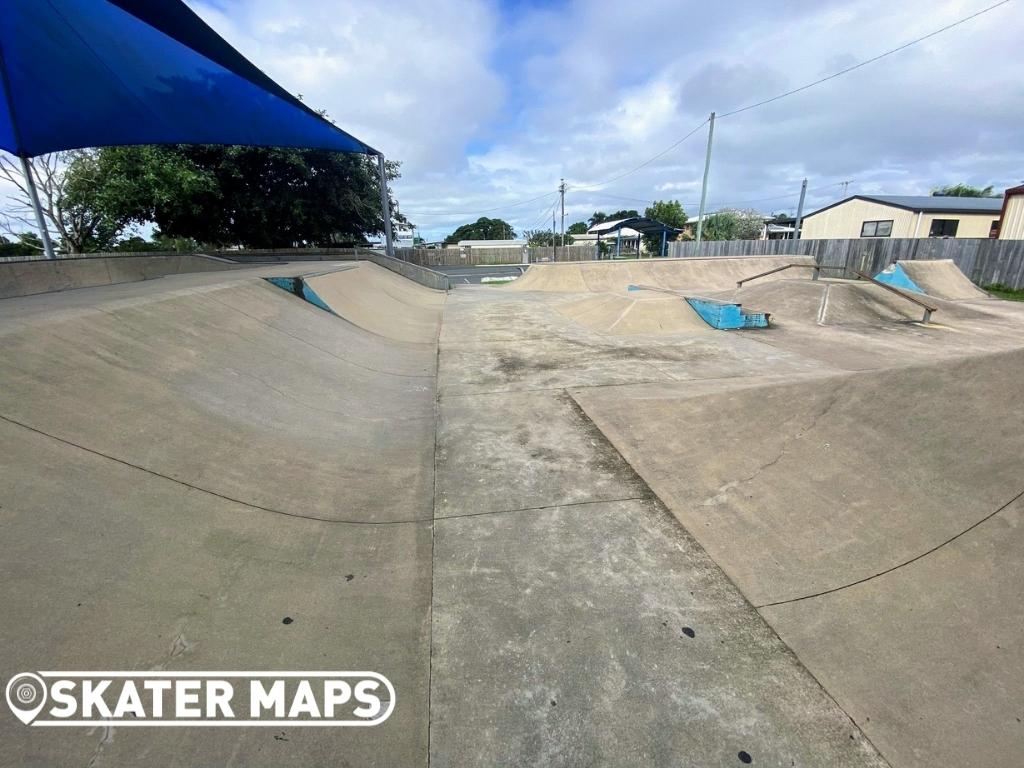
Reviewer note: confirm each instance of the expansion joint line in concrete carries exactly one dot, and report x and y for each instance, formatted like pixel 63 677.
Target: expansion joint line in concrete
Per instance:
pixel 207 491
pixel 433 526
pixel 905 563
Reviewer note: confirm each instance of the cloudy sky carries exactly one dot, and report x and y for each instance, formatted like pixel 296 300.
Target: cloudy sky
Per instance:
pixel 490 103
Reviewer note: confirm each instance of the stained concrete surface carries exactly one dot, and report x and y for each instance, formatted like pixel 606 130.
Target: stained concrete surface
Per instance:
pixel 564 630
pixel 211 454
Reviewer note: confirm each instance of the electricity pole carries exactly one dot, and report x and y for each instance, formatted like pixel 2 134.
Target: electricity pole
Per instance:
pixel 704 187
pixel 554 253
pixel 561 189
pixel 800 211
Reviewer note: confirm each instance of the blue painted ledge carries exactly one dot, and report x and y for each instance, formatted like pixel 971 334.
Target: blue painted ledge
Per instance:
pixel 725 315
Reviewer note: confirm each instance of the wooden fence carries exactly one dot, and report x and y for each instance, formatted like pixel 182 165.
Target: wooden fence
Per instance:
pixel 473 257
pixel 984 261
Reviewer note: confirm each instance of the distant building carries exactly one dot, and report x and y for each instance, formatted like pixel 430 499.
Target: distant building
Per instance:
pixel 872 216
pixel 475 244
pixel 1011 219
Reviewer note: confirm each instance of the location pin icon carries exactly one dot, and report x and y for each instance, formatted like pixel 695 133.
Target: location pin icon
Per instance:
pixel 26 695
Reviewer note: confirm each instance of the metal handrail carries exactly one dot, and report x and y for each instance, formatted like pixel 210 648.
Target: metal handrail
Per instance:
pixel 928 308
pixel 816 267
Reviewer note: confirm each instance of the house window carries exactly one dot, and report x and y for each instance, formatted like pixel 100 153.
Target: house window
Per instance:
pixel 994 229
pixel 876 228
pixel 944 228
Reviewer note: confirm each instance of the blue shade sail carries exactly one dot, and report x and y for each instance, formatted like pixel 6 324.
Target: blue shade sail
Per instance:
pixel 94 73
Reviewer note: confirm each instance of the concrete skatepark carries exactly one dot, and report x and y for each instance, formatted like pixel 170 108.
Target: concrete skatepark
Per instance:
pixel 573 524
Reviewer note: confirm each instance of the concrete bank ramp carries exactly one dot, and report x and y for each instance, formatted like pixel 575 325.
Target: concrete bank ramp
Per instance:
pixel 875 519
pixel 677 274
pixel 223 477
pixel 634 314
pixel 942 279
pixel 838 302
pixel 26 278
pixel 379 301
pixel 246 391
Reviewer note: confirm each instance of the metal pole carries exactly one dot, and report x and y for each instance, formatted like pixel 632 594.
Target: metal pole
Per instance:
pixel 704 187
pixel 618 243
pixel 561 188
pixel 663 239
pixel 44 233
pixel 800 211
pixel 385 207
pixel 554 253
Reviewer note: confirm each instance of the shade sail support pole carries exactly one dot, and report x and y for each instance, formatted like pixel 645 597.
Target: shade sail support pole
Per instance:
pixel 33 193
pixel 385 207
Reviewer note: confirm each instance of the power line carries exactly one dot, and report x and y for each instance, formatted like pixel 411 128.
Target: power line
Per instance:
pixel 866 61
pixel 645 163
pixel 485 210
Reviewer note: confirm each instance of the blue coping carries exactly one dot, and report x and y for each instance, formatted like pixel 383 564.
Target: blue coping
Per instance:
pixel 300 287
pixel 897 277
pixel 726 316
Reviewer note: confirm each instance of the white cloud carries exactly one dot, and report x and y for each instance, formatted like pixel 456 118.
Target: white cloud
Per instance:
pixel 488 106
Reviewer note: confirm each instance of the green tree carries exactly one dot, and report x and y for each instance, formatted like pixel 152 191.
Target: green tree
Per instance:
pixel 579 228
pixel 600 217
pixel 539 238
pixel 76 224
pixel 482 229
pixel 26 244
pixel 963 190
pixel 257 197
pixel 668 212
pixel 733 225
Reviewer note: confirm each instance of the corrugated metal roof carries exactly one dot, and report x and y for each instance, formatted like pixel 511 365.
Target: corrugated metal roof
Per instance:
pixel 929 204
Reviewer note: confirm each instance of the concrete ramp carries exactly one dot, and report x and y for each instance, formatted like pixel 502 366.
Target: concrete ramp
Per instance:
pixel 27 278
pixel 633 314
pixel 838 303
pixel 379 301
pixel 875 520
pixel 942 279
pixel 223 477
pixel 676 274
pixel 245 390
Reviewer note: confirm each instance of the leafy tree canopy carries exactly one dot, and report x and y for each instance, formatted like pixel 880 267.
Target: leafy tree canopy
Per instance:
pixel 579 228
pixel 539 238
pixel 963 190
pixel 733 225
pixel 599 217
pixel 668 212
pixel 257 197
pixel 26 244
pixel 482 229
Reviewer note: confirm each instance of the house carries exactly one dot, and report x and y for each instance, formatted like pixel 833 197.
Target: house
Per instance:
pixel 1011 220
pixel 774 228
pixel 488 244
pixel 904 216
